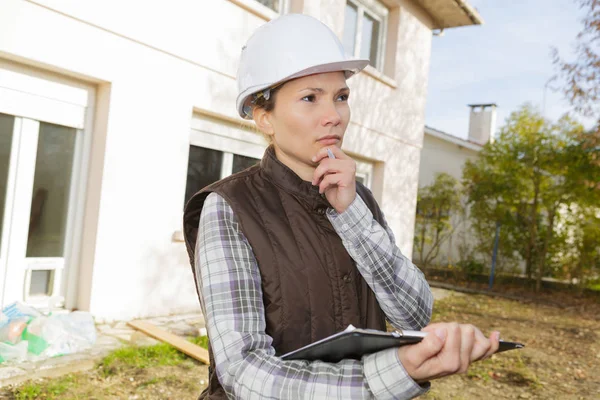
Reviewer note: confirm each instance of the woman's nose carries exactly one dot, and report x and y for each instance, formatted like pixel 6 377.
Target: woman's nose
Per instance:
pixel 331 115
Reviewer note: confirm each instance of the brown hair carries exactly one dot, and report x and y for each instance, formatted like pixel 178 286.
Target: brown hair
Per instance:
pixel 267 105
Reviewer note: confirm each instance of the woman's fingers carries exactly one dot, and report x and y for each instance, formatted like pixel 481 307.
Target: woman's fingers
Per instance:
pixel 494 344
pixel 454 353
pixel 450 355
pixel 329 181
pixel 467 342
pixel 481 347
pixel 336 177
pixel 336 151
pixel 346 168
pixel 420 360
pixel 329 166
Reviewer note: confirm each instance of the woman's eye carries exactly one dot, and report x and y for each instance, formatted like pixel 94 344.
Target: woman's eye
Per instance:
pixel 309 98
pixel 343 97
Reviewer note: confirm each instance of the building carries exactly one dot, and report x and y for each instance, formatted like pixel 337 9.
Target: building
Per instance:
pixel 445 153
pixel 113 112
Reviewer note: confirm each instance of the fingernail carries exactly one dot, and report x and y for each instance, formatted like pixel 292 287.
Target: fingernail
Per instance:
pixel 497 333
pixel 441 333
pixel 314 158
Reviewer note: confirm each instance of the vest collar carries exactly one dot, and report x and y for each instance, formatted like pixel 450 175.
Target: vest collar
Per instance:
pixel 282 176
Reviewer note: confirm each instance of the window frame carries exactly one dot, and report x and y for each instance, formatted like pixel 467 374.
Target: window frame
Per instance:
pixel 378 12
pixel 284 6
pixel 364 170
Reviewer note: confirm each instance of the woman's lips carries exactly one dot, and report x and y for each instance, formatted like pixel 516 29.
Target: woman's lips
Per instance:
pixel 329 140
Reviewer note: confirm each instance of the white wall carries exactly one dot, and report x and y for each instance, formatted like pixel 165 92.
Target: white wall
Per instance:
pixel 153 64
pixel 442 156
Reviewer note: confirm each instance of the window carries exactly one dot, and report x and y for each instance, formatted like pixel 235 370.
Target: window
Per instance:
pixel 275 5
pixel 364 172
pixel 364 30
pixel 219 148
pixel 206 166
pixel 241 163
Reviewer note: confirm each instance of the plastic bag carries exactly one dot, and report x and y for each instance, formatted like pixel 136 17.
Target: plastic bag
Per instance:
pixel 34 335
pixel 12 329
pixel 61 334
pixel 81 324
pixel 18 310
pixel 17 352
pixel 13 321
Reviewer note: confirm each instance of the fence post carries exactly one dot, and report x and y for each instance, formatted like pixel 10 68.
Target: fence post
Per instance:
pixel 494 254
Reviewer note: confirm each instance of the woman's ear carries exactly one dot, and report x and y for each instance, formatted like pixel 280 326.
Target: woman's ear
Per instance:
pixel 262 119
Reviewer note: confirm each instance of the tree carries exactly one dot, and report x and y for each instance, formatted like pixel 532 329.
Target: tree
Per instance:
pixel 436 204
pixel 582 77
pixel 522 181
pixel 580 256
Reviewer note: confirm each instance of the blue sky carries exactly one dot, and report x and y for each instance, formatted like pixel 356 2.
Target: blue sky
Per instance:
pixel 506 61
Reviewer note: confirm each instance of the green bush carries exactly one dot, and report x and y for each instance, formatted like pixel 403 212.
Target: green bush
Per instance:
pixel 471 267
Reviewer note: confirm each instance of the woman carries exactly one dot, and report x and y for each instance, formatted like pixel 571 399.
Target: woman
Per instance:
pixel 294 249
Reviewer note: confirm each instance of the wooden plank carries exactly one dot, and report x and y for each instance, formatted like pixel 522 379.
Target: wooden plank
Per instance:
pixel 178 342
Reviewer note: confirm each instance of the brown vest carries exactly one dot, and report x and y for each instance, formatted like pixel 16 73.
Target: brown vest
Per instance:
pixel 311 286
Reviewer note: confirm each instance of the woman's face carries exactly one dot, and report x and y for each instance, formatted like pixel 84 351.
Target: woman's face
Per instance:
pixel 310 113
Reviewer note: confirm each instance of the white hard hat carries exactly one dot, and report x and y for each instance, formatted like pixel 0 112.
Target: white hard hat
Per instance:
pixel 288 47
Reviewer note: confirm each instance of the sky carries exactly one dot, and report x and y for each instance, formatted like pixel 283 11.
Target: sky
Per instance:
pixel 506 61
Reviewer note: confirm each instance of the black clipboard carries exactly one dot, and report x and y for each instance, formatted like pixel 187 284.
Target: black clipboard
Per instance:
pixel 354 343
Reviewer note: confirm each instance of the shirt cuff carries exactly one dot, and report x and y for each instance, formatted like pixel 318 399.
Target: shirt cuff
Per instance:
pixel 387 379
pixel 351 223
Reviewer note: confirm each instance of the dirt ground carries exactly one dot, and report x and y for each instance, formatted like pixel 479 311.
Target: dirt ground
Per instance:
pixel 561 361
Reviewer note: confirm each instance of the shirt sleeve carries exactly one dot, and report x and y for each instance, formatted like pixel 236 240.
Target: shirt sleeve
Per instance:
pixel 399 286
pixel 231 297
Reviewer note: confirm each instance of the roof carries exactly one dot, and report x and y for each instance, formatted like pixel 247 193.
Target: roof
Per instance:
pixel 451 13
pixel 483 105
pixel 468 144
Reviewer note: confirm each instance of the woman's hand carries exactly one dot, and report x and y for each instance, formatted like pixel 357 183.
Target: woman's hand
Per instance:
pixel 335 177
pixel 449 348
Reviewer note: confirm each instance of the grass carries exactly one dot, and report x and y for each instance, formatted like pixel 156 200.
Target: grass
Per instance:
pixel 50 390
pixel 141 357
pixel 201 341
pixel 128 360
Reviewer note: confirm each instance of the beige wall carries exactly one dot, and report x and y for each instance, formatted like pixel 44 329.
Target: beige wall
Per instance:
pixel 153 64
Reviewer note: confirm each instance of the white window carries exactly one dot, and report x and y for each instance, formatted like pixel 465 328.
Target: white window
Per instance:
pixel 365 25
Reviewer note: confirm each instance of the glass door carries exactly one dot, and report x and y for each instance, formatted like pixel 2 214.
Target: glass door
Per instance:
pixel 37 162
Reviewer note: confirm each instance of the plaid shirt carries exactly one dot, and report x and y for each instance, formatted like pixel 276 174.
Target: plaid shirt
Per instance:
pixel 231 298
